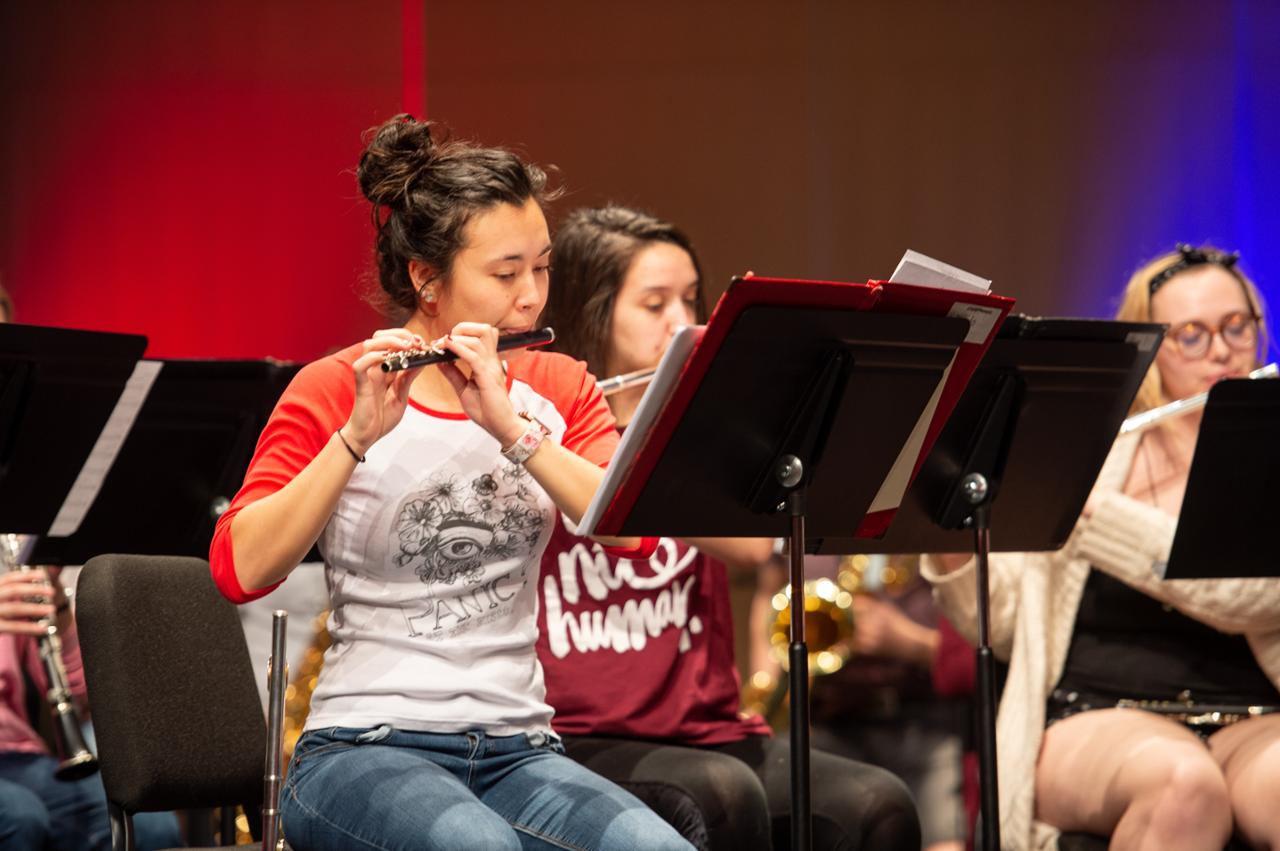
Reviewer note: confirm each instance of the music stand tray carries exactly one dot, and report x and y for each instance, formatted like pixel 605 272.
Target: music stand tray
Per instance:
pixel 183 460
pixel 1065 386
pixel 58 389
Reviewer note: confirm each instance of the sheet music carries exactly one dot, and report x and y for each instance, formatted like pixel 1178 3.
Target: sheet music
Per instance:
pixel 89 482
pixel 917 268
pixel 655 397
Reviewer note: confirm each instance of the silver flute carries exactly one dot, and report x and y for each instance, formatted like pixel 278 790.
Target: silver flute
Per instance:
pixel 1155 416
pixel 75 760
pixel 277 679
pixel 626 381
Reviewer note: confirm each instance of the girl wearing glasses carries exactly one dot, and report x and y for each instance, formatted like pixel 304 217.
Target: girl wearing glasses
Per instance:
pixel 1127 707
pixel 432 493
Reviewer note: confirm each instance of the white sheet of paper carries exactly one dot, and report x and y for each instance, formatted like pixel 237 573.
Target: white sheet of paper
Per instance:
pixel 920 269
pixel 89 482
pixel 655 397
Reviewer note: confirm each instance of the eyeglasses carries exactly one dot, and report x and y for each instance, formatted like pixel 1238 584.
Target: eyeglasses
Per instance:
pixel 1188 257
pixel 1193 339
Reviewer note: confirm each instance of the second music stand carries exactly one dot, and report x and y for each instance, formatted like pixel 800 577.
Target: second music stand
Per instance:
pixel 1030 434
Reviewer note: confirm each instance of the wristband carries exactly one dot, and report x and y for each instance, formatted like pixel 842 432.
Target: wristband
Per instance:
pixel 527 443
pixel 359 458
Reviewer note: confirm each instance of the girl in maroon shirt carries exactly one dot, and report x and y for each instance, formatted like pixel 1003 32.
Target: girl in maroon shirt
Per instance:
pixel 638 654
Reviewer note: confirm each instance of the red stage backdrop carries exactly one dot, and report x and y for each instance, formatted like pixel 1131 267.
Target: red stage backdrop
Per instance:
pixel 185 170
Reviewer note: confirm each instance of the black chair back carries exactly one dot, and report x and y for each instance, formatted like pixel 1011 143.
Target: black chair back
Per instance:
pixel 175 707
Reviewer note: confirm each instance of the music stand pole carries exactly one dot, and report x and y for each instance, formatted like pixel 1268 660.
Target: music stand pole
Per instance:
pixel 977 492
pixel 790 473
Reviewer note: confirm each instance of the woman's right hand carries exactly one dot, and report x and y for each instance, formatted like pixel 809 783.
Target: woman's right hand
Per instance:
pixel 381 397
pixel 26 602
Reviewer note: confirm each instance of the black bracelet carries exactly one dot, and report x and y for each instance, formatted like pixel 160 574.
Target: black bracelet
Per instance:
pixel 359 458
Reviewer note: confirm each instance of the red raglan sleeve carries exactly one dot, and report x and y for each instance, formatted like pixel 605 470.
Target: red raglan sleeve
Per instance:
pixel 314 405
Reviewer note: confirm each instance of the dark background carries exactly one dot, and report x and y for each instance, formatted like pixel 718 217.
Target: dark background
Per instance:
pixel 183 169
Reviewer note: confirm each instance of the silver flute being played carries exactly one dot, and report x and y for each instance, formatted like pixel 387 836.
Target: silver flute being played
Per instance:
pixel 1155 416
pixel 409 358
pixel 75 760
pixel 626 381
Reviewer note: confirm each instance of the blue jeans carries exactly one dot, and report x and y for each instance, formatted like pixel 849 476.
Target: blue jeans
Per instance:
pixel 39 811
pixel 391 789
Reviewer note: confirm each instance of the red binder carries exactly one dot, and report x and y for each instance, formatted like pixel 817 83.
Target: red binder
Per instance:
pixel 985 313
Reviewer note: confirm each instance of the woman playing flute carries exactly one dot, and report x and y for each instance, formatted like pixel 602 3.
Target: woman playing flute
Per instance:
pixel 1104 724
pixel 431 493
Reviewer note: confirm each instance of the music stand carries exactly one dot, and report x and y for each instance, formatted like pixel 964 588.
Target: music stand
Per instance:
pixel 1217 537
pixel 58 390
pixel 799 404
pixel 1033 428
pixel 183 460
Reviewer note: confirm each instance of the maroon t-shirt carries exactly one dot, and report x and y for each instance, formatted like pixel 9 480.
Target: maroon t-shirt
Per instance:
pixel 642 649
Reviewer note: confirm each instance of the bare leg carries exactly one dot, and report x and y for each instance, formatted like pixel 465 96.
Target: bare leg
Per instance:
pixel 1249 753
pixel 1147 782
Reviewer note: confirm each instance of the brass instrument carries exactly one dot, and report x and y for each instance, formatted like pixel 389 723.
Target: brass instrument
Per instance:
pixel 297 696
pixel 75 760
pixel 828 622
pixel 1155 416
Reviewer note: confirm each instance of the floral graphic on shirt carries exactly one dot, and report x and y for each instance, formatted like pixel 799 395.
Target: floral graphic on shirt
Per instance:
pixel 450 529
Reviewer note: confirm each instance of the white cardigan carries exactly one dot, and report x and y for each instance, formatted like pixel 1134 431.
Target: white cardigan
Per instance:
pixel 1034 599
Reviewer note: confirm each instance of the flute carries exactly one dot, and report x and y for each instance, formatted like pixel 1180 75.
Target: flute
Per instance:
pixel 1155 416
pixel 627 380
pixel 409 358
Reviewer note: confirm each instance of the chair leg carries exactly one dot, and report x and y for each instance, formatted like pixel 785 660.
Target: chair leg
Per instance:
pixel 227 823
pixel 122 835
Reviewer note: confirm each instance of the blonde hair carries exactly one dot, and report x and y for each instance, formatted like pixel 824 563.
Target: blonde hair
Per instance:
pixel 1135 306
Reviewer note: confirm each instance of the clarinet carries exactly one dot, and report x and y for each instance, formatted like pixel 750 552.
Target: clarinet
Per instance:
pixel 75 760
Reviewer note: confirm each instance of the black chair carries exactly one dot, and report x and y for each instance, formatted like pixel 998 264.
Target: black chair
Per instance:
pixel 179 722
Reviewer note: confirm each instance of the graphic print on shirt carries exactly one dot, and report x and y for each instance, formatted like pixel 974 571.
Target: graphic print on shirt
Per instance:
pixel 450 530
pixel 624 609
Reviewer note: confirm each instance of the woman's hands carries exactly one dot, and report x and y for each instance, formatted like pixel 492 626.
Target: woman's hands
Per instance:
pixel 483 392
pixel 381 397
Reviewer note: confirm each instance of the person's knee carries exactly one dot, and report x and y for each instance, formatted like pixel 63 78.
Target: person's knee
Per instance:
pixel 642 830
pixel 24 821
pixel 1193 798
pixel 871 808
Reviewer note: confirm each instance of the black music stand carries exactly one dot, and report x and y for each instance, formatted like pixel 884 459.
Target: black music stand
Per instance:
pixel 183 460
pixel 58 389
pixel 1033 428
pixel 791 430
pixel 1230 504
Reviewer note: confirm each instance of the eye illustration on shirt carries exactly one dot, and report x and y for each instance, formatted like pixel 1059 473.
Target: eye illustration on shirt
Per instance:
pixel 452 528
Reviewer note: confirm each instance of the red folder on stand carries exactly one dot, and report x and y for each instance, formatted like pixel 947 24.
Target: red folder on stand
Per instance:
pixel 944 334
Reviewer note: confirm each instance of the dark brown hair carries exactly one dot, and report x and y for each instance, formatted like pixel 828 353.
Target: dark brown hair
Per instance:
pixel 590 256
pixel 425 188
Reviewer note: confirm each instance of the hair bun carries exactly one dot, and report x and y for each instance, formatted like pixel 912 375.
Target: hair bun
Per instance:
pixel 395 155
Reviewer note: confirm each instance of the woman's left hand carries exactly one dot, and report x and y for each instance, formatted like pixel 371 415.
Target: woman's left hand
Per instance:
pixel 483 393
